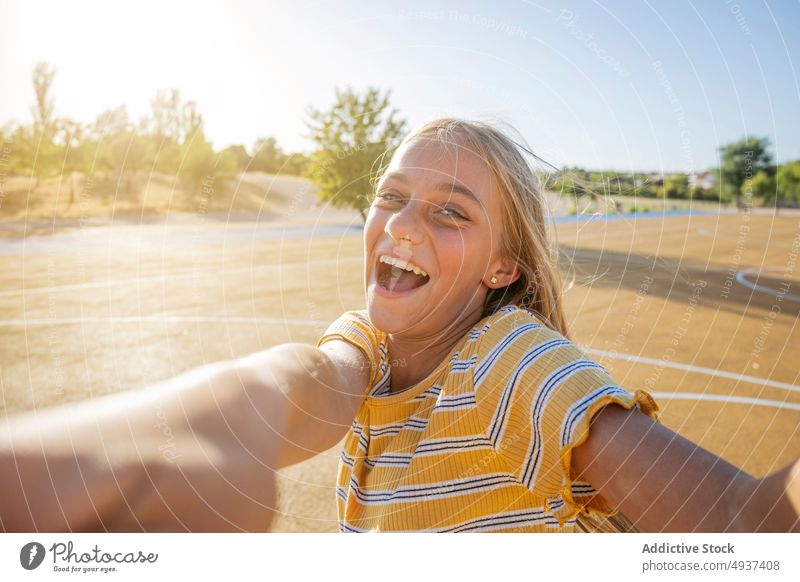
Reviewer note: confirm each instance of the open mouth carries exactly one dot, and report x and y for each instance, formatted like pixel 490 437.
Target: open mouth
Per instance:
pixel 396 276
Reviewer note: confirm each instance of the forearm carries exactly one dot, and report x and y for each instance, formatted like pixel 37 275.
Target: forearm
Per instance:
pixel 192 453
pixel 665 483
pixel 771 504
pixel 681 488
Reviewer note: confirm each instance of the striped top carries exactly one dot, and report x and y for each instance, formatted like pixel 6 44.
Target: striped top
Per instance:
pixel 484 442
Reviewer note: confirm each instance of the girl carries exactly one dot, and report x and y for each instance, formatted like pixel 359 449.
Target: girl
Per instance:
pixel 473 412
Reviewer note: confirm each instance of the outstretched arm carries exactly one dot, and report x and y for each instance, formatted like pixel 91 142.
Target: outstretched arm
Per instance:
pixel 197 452
pixel 664 482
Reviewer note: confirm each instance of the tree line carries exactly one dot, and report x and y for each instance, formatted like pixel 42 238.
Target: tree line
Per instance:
pixel 352 137
pixel 170 139
pixel 746 174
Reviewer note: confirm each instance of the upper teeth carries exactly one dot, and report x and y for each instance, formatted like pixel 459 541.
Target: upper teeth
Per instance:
pixel 402 264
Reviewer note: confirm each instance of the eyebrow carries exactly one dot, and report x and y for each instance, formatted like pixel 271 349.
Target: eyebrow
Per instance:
pixel 446 187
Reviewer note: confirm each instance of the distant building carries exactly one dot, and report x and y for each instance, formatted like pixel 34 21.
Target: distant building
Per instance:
pixel 703 180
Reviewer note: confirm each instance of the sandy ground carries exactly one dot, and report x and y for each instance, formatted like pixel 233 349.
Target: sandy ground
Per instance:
pixel 98 309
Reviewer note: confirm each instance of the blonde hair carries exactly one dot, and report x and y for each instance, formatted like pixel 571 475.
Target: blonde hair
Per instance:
pixel 527 237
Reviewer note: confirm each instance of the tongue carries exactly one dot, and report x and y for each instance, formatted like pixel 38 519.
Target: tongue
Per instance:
pixel 402 280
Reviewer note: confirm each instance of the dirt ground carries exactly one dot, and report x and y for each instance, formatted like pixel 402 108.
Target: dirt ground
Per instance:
pixel 661 302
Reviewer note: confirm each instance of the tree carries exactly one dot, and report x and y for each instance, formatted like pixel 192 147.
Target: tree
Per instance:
pixel 740 161
pixel 45 154
pixel 72 135
pixel 788 182
pixel 762 185
pixel 164 124
pixel 43 110
pixel 350 137
pixel 175 130
pixel 268 156
pixel 73 138
pixel 20 144
pixel 199 165
pixel 239 156
pixel 296 164
pixel 197 161
pixel 112 130
pixel 118 148
pixel 676 186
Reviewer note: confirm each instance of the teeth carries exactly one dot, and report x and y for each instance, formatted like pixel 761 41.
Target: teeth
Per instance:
pixel 402 265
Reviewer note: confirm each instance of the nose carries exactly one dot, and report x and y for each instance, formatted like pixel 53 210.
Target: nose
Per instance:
pixel 404 223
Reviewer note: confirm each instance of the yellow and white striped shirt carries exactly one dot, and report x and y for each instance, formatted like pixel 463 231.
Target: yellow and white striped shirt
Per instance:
pixel 484 442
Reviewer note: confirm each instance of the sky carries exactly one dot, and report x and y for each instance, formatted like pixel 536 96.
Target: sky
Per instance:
pixel 631 86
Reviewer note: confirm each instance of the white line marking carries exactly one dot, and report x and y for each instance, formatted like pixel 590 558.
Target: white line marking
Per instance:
pixel 741 278
pixel 696 369
pixel 168 278
pixel 324 324
pixel 726 399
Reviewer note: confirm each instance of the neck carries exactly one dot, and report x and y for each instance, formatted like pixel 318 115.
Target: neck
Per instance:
pixel 414 358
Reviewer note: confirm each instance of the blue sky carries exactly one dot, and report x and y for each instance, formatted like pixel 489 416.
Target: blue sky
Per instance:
pixel 625 85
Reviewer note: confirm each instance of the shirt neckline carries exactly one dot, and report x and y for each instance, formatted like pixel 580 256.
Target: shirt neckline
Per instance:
pixel 424 384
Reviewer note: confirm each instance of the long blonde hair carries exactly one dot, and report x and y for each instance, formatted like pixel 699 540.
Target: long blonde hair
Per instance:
pixel 528 238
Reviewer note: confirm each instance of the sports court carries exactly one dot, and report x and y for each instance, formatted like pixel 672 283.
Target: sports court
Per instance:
pixel 699 309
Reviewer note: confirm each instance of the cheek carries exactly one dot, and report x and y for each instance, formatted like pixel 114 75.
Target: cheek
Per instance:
pixel 373 228
pixel 461 258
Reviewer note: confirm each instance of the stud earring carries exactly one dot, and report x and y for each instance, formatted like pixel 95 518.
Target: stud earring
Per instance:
pixel 493 279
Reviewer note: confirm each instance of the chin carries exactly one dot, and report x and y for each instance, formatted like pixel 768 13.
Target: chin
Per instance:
pixel 385 318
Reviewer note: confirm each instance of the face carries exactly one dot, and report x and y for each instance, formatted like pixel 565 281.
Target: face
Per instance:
pixel 436 210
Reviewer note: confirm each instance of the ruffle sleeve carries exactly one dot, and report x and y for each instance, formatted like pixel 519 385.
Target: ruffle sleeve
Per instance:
pixel 355 328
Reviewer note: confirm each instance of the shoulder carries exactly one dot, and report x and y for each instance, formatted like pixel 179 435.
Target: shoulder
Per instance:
pixel 512 331
pixel 536 393
pixel 357 319
pixel 518 353
pixel 352 337
pixel 354 327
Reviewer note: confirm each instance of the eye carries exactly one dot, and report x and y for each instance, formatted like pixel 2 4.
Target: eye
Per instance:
pixel 450 213
pixel 387 197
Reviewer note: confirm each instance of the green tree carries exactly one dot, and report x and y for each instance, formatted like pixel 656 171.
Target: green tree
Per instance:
pixel 676 186
pixel 112 132
pixel 268 156
pixel 116 147
pixel 239 156
pixel 20 142
pixel 72 135
pixel 350 137
pixel 296 164
pixel 45 159
pixel 788 182
pixel 762 186
pixel 43 110
pixel 164 123
pixel 175 130
pixel 740 161
pixel 74 138
pixel 715 192
pixel 200 167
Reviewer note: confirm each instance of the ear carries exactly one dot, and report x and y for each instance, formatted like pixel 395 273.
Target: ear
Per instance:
pixel 504 270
